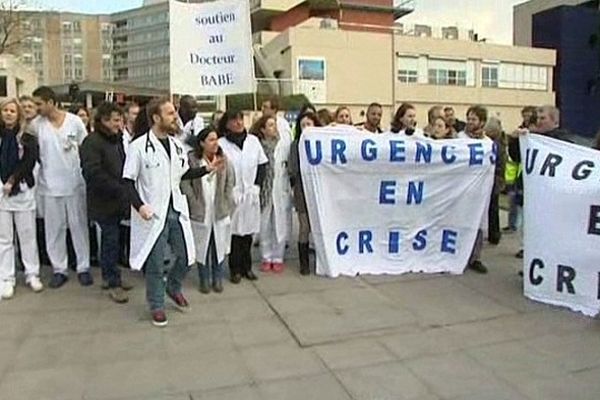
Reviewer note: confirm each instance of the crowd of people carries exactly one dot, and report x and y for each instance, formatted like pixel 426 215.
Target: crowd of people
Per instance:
pixel 158 189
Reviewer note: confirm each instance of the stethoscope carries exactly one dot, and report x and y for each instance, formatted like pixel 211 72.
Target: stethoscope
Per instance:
pixel 156 163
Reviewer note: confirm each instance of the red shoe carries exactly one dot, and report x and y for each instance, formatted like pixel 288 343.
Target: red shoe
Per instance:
pixel 278 267
pixel 180 302
pixel 159 318
pixel 266 266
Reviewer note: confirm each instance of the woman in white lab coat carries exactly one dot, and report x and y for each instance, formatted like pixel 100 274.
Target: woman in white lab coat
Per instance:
pixel 18 156
pixel 275 194
pixel 211 203
pixel 246 155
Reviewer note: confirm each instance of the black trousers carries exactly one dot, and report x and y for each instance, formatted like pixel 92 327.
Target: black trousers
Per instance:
pixel 240 258
pixel 494 233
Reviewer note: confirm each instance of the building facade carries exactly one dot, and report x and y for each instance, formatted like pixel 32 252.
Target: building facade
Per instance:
pixel 16 79
pixel 65 47
pixel 334 66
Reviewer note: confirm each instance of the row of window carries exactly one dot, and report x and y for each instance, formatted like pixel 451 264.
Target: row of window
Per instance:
pixel 148 70
pixel 462 73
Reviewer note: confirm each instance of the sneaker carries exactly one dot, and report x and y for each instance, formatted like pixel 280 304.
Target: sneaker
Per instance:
pixel 8 290
pixel 180 302
pixel 478 266
pixel 159 318
pixel 35 284
pixel 118 295
pixel 58 280
pixel 85 279
pixel 266 266
pixel 278 267
pixel 508 229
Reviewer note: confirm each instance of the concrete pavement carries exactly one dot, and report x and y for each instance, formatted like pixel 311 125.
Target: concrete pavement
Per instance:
pixel 288 337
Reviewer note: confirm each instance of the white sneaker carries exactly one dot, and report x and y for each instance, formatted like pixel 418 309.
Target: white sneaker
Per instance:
pixel 35 284
pixel 8 290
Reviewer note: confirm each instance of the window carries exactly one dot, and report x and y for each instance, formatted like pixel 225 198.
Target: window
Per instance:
pixel 447 72
pixel 408 69
pixel 520 76
pixel 67 27
pixel 67 59
pixel 489 76
pixel 68 74
pixel 78 73
pixel 76 26
pixel 37 56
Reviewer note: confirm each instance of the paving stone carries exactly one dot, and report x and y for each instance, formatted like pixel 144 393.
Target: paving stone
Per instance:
pixel 455 375
pixel 56 383
pixel 279 361
pixel 304 388
pixel 384 381
pixel 244 392
pixel 353 353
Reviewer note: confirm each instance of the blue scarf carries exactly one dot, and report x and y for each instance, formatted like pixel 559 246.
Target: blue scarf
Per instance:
pixel 9 153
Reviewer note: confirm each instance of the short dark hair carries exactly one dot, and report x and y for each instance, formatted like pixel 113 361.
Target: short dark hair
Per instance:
pixel 25 98
pixel 45 93
pixel 154 106
pixel 129 105
pixel 480 111
pixel 105 110
pixel 372 105
pixel 448 108
pixel 529 109
pixel 228 116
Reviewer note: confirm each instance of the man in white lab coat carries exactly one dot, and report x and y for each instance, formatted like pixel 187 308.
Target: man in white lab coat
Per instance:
pixel 61 187
pixel 155 165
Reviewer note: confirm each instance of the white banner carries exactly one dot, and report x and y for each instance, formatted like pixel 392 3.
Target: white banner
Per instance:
pixel 211 48
pixel 562 223
pixel 390 204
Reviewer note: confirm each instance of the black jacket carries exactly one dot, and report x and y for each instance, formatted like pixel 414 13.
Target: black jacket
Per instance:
pixel 24 169
pixel 102 161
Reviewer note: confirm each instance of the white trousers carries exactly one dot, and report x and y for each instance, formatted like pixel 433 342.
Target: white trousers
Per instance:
pixel 272 250
pixel 61 213
pixel 24 221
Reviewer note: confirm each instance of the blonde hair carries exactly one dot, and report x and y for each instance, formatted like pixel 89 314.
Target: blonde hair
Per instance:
pixel 20 116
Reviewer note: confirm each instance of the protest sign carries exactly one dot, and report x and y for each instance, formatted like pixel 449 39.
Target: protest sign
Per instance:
pixel 210 48
pixel 562 223
pixel 394 204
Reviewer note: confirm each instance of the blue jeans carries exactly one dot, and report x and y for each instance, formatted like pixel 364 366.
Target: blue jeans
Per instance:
pixel 212 268
pixel 171 234
pixel 515 211
pixel 109 251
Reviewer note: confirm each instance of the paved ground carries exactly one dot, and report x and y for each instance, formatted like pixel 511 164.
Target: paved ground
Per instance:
pixel 286 337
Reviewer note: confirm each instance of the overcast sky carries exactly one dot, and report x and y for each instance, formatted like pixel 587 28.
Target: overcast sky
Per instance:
pixel 492 19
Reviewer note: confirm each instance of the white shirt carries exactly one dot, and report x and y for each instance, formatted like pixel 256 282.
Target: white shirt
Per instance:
pixel 60 173
pixel 284 129
pixel 127 137
pixel 193 126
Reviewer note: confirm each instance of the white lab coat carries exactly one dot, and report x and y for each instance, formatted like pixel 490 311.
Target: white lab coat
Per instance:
pixel 157 178
pixel 282 192
pixel 246 195
pixel 284 129
pixel 221 228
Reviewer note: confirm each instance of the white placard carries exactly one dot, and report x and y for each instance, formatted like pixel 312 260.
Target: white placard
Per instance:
pixel 211 48
pixel 562 223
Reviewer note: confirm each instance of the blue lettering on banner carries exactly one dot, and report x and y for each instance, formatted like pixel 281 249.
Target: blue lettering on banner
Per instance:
pixel 397 151
pixel 530 156
pixel 369 150
pixel 448 159
pixel 338 147
pixel 424 151
pixel 476 154
pixel 420 241
pixel 394 242
pixel 387 192
pixel 415 192
pixel 364 241
pixel 314 159
pixel 494 155
pixel 449 241
pixel 342 248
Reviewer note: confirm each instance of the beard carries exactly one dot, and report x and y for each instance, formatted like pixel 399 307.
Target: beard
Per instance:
pixel 172 129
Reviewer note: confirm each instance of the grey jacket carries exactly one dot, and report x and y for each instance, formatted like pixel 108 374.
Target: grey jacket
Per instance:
pixel 296 178
pixel 192 189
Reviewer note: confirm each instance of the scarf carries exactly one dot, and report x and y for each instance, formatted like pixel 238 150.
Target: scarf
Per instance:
pixel 237 138
pixel 9 153
pixel 266 191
